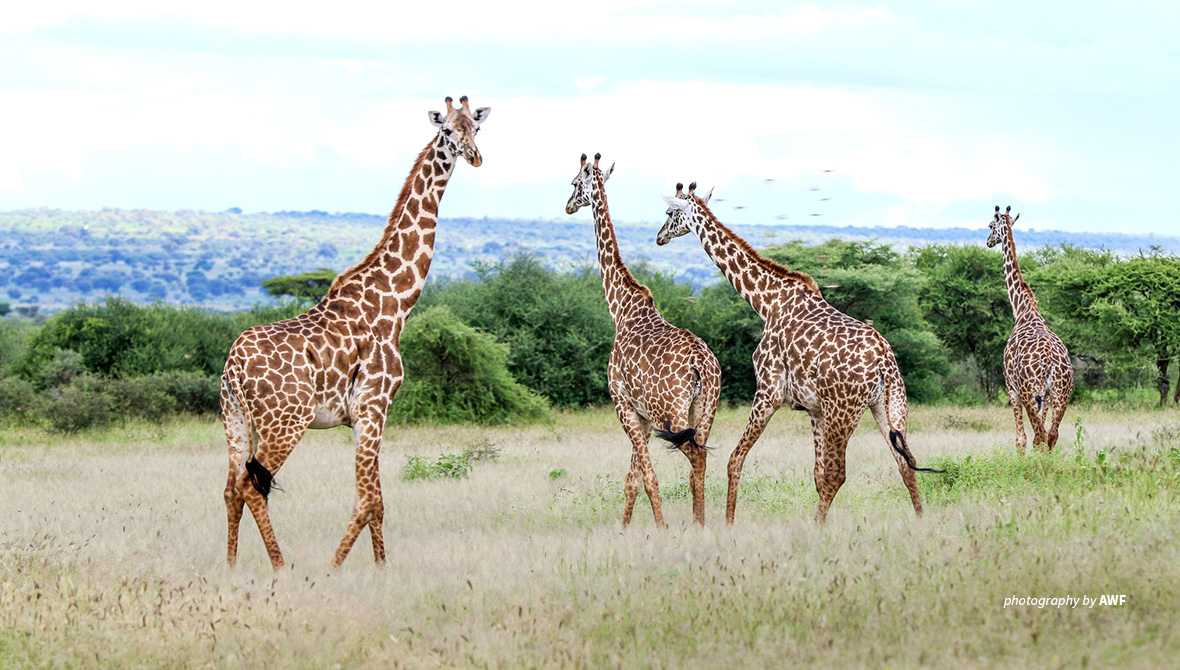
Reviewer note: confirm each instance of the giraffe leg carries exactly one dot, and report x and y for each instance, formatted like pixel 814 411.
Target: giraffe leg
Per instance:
pixel 1061 396
pixel 638 430
pixel 631 488
pixel 238 437
pixel 1037 422
pixel 1018 413
pixel 836 433
pixel 760 413
pixel 273 450
pixel 696 482
pixel 651 484
pixel 370 507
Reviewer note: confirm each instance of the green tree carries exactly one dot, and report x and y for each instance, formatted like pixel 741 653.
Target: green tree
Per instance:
pixel 457 374
pixel 308 287
pixel 1134 303
pixel 965 301
pixel 557 325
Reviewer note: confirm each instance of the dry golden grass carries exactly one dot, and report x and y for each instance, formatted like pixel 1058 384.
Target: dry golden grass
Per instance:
pixel 112 550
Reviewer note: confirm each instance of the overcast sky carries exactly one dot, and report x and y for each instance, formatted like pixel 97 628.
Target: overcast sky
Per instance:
pixel 915 113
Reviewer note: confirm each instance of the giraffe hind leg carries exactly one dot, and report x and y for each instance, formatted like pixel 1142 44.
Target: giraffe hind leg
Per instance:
pixel 238 437
pixel 895 436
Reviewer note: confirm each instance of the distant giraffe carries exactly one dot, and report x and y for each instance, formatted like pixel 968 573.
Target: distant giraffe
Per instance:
pixel 338 363
pixel 1037 368
pixel 812 357
pixel 658 373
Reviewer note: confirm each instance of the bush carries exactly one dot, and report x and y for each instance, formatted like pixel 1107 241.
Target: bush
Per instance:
pixel 18 400
pixel 558 325
pixel 80 405
pixel 194 392
pixel 140 398
pixel 457 374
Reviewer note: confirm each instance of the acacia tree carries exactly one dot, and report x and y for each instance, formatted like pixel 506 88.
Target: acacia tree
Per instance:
pixel 307 287
pixel 1132 303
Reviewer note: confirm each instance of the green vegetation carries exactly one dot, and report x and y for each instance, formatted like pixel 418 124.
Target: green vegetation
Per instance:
pixel 457 374
pixel 449 466
pixel 502 345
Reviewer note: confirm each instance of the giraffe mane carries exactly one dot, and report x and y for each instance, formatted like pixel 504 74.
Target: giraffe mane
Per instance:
pixel 774 268
pixel 394 216
pixel 1022 284
pixel 624 271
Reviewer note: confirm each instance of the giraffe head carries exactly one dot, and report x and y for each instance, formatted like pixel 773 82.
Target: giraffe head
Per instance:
pixel 1000 226
pixel 583 183
pixel 682 209
pixel 457 128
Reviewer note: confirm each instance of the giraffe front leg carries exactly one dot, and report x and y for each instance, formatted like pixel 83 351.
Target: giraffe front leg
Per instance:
pixel 1018 413
pixel 760 413
pixel 370 507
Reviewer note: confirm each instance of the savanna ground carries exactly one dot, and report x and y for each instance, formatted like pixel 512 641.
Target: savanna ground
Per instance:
pixel 112 550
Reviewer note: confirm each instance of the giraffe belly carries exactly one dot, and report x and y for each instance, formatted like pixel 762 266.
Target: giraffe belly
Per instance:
pixel 327 417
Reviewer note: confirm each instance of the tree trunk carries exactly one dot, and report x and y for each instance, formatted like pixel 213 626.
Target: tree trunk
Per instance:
pixel 1161 364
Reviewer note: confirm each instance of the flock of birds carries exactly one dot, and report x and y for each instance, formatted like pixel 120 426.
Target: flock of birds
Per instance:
pixel 780 217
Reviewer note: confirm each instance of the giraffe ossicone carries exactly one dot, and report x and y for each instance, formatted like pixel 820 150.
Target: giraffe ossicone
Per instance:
pixel 811 358
pixel 339 363
pixel 658 375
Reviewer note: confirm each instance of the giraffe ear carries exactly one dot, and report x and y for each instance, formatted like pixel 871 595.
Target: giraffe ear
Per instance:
pixel 675 203
pixel 437 118
pixel 705 198
pixel 482 115
pixel 606 175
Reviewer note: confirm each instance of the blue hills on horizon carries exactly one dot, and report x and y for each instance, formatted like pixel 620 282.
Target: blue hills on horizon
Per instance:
pixel 54 258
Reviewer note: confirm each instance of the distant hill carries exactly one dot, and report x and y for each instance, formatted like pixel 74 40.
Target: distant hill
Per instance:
pixel 54 258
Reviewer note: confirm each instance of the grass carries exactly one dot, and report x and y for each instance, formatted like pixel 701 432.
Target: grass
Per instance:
pixel 112 546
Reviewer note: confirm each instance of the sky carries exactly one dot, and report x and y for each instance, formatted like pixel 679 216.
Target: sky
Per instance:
pixel 923 114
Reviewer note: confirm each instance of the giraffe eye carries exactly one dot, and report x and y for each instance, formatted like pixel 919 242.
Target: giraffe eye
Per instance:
pixel 447 132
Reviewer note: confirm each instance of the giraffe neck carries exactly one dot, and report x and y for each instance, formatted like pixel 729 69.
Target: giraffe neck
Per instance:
pixel 754 276
pixel 623 292
pixel 1024 303
pixel 390 279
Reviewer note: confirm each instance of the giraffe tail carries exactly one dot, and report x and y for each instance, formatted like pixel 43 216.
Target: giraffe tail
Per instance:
pixel 678 439
pixel 1040 399
pixel 261 478
pixel 890 387
pixel 897 441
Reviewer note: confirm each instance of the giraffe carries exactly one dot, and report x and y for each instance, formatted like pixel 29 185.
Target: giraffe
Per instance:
pixel 1037 369
pixel 811 358
pixel 338 363
pixel 658 374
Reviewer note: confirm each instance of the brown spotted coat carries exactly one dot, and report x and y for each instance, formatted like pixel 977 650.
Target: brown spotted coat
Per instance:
pixel 338 363
pixel 659 375
pixel 812 357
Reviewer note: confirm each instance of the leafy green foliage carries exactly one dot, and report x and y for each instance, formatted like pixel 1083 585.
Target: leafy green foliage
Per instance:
pixel 449 466
pixel 1132 304
pixel 558 326
pixel 965 301
pixel 457 374
pixel 119 338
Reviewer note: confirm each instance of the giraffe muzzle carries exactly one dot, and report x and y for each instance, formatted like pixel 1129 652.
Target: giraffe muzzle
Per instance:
pixel 473 157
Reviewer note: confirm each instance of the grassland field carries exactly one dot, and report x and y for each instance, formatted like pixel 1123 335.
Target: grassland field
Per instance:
pixel 112 551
